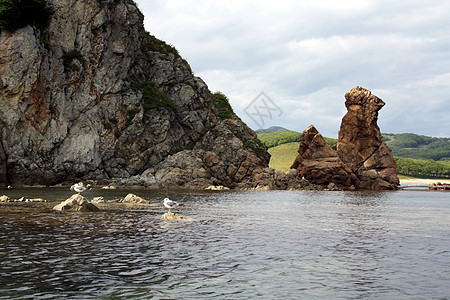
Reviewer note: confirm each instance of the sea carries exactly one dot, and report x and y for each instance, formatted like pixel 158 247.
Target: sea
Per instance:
pixel 231 245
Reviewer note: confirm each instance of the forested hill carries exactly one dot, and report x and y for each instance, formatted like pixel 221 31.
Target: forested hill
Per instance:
pixel 416 155
pixel 418 146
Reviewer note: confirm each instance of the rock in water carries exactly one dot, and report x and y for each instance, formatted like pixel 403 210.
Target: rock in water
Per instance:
pixel 360 144
pixel 76 203
pixel 362 160
pixel 131 198
pixel 96 97
pixel 172 216
pixel 318 163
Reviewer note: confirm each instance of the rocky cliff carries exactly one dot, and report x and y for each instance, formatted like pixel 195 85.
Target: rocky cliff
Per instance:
pixel 96 97
pixel 362 160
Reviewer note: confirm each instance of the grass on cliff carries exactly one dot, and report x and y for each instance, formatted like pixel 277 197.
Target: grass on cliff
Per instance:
pixel 152 43
pixel 16 14
pixel 225 111
pixel 152 97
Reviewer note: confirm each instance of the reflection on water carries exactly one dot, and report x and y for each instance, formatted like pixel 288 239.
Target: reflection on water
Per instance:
pixel 272 245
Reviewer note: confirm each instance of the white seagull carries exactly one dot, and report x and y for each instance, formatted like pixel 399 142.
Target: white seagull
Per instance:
pixel 170 204
pixel 79 188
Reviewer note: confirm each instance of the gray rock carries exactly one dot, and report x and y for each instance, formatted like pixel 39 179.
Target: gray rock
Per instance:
pixel 83 107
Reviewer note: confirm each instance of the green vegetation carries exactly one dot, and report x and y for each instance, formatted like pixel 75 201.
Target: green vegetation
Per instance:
pixel 423 168
pixel 416 155
pixel 283 156
pixel 221 102
pixel 273 139
pixel 68 58
pixel 15 14
pixel 155 44
pixel 418 146
pixel 256 145
pixel 152 97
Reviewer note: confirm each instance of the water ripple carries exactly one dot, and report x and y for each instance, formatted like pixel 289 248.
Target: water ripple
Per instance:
pixel 241 245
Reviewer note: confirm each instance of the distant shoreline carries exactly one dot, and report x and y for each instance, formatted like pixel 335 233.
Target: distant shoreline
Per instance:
pixel 422 181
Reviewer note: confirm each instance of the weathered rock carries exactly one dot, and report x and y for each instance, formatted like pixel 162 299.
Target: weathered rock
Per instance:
pixel 131 198
pixel 362 160
pixel 216 188
pixel 173 216
pixel 104 100
pixel 318 163
pixel 360 145
pixel 97 200
pixel 76 203
pixel 33 200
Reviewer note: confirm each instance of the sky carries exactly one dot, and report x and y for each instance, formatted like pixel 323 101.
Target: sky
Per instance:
pixel 289 63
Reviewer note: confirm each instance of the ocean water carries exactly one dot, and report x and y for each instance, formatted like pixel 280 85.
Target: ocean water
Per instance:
pixel 239 245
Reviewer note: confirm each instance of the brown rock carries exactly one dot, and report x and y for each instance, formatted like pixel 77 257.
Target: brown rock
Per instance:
pixel 362 160
pixel 76 203
pixel 131 198
pixel 360 144
pixel 318 163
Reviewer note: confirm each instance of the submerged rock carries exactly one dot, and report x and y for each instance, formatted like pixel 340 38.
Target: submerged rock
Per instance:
pixel 173 216
pixel 76 203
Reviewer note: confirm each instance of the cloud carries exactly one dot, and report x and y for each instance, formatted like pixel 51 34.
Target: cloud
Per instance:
pixel 305 55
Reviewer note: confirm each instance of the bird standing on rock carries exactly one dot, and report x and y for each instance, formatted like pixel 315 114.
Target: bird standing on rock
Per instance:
pixel 79 188
pixel 170 203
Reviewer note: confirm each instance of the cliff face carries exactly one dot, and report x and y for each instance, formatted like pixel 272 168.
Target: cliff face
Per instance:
pixel 96 97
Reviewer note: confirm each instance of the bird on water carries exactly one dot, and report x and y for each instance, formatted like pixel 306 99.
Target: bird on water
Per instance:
pixel 170 203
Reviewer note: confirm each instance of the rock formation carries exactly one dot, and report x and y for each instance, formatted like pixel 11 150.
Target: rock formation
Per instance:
pixel 76 203
pixel 132 198
pixel 362 160
pixel 318 163
pixel 360 144
pixel 96 97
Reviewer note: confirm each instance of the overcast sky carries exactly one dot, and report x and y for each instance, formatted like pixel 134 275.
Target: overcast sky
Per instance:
pixel 306 54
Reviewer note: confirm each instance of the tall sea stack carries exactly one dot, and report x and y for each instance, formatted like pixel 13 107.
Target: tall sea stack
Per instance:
pixel 362 161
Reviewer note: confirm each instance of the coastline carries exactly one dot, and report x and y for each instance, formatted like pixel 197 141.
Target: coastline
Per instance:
pixel 420 181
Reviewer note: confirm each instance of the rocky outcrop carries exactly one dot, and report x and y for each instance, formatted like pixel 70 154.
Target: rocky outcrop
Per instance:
pixel 318 163
pixel 362 160
pixel 76 203
pixel 95 97
pixel 131 198
pixel 360 144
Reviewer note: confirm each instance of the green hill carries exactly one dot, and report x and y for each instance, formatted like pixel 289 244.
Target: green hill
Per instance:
pixel 418 146
pixel 283 156
pixel 416 155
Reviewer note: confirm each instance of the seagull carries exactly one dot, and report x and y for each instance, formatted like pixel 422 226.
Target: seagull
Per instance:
pixel 79 188
pixel 170 204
